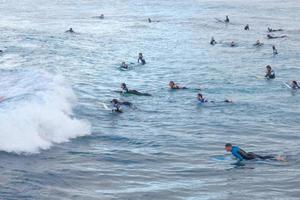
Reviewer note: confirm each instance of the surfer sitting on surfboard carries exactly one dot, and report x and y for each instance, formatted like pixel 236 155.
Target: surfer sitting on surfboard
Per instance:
pixel 270 74
pixel 275 52
pixel 125 90
pixel 141 59
pixel 241 155
pixel 227 19
pixel 213 41
pixel 174 86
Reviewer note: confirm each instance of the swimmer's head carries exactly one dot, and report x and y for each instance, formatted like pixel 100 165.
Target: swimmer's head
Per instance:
pixel 171 84
pixel 268 67
pixel 228 147
pixel 294 82
pixel 114 101
pixel 123 86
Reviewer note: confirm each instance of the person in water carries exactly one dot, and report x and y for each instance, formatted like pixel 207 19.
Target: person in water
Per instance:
pixel 70 31
pixel 125 90
pixel 201 99
pixel 213 41
pixel 124 65
pixel 258 43
pixel 141 59
pixel 270 74
pixel 149 20
pixel 247 28
pixel 174 86
pixel 275 37
pixel 274 30
pixel 227 19
pixel 241 155
pixel 125 103
pixel 275 52
pixel 233 44
pixel 295 85
pixel 116 106
pixel 101 16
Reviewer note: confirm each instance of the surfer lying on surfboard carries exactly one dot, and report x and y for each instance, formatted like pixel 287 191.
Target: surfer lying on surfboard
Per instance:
pixel 125 90
pixel 116 104
pixel 241 155
pixel 174 86
pixel 201 99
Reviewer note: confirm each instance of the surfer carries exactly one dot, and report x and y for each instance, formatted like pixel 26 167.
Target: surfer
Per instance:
pixel 295 85
pixel 116 106
pixel 247 28
pixel 101 16
pixel 270 74
pixel 70 31
pixel 258 43
pixel 275 37
pixel 233 44
pixel 227 19
pixel 125 103
pixel 241 155
pixel 274 30
pixel 201 99
pixel 141 59
pixel 124 65
pixel 174 86
pixel 274 50
pixel 213 41
pixel 125 90
pixel 150 20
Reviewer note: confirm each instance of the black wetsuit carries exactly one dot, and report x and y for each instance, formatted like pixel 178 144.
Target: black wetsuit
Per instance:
pixel 143 61
pixel 240 154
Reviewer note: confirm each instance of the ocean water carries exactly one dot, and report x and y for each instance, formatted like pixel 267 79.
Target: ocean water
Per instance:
pixel 58 142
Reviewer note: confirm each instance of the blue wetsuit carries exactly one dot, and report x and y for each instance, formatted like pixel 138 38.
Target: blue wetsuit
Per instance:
pixel 240 154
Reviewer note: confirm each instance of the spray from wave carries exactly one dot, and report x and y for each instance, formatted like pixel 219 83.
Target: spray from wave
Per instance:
pixel 36 111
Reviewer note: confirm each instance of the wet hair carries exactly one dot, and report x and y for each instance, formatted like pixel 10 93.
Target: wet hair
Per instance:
pixel 199 94
pixel 228 145
pixel 269 67
pixel 295 82
pixel 114 101
pixel 123 85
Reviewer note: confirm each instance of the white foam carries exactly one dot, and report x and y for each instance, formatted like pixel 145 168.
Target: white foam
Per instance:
pixel 37 112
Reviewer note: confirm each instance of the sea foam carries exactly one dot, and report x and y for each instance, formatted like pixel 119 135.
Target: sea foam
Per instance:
pixel 37 111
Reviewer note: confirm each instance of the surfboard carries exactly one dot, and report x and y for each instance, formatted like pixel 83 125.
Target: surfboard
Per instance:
pixel 104 105
pixel 219 20
pixel 287 85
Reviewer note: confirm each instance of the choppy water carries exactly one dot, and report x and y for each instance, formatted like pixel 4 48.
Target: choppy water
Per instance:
pixel 57 142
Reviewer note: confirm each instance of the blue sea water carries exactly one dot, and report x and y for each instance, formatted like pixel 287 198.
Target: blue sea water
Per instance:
pixel 58 142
